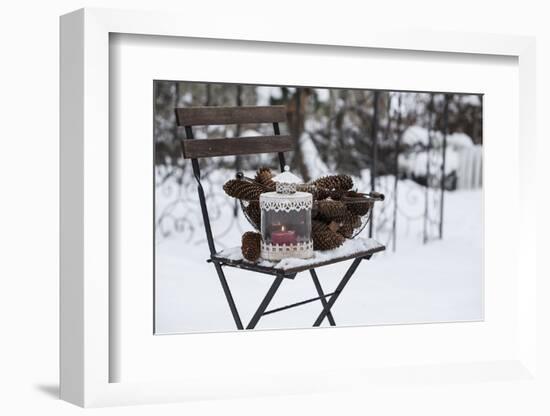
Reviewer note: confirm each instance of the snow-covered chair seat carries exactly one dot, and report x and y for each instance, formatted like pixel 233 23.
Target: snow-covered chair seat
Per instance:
pixel 351 249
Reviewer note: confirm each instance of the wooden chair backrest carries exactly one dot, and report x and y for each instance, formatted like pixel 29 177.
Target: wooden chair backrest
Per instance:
pixel 203 148
pixel 206 116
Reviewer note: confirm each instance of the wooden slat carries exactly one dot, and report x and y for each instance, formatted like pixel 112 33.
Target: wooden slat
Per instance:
pixel 199 148
pixel 253 267
pixel 203 116
pixel 296 269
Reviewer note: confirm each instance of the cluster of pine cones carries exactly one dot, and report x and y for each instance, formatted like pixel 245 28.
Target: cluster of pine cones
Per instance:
pixel 337 209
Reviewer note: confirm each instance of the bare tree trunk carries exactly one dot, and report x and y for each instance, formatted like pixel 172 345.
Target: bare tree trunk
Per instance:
pixel 296 120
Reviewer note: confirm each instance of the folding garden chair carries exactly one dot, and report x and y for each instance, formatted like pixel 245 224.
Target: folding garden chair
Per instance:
pixel 205 148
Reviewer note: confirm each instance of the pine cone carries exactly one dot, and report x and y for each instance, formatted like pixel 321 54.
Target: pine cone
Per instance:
pixel 318 193
pixel 250 246
pixel 254 213
pixel 264 177
pixel 353 219
pixel 334 226
pixel 335 182
pixel 327 240
pixel 336 194
pixel 323 237
pixel 346 229
pixel 359 205
pixel 318 226
pixel 329 209
pixel 348 223
pixel 241 189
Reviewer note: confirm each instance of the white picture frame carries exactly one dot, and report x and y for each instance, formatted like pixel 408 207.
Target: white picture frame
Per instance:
pixel 86 355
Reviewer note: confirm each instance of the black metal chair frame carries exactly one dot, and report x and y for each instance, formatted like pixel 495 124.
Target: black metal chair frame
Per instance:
pixel 194 149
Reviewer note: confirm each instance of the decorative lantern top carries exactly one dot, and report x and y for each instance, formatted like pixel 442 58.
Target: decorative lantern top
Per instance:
pixel 286 182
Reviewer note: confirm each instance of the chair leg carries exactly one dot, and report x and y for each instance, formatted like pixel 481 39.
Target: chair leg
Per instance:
pixel 322 295
pixel 229 296
pixel 265 302
pixel 338 291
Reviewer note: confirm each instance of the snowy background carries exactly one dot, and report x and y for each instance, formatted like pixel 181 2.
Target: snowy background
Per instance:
pixel 431 220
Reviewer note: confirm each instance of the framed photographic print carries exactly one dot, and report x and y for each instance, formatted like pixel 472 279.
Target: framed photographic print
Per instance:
pixel 383 168
pixel 254 215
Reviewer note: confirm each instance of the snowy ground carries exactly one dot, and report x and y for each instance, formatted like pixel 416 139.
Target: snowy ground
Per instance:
pixel 436 282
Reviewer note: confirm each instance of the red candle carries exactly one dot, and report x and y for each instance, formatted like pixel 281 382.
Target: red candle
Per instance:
pixel 283 237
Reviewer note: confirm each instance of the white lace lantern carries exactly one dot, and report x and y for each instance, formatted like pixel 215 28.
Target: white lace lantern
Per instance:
pixel 286 220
